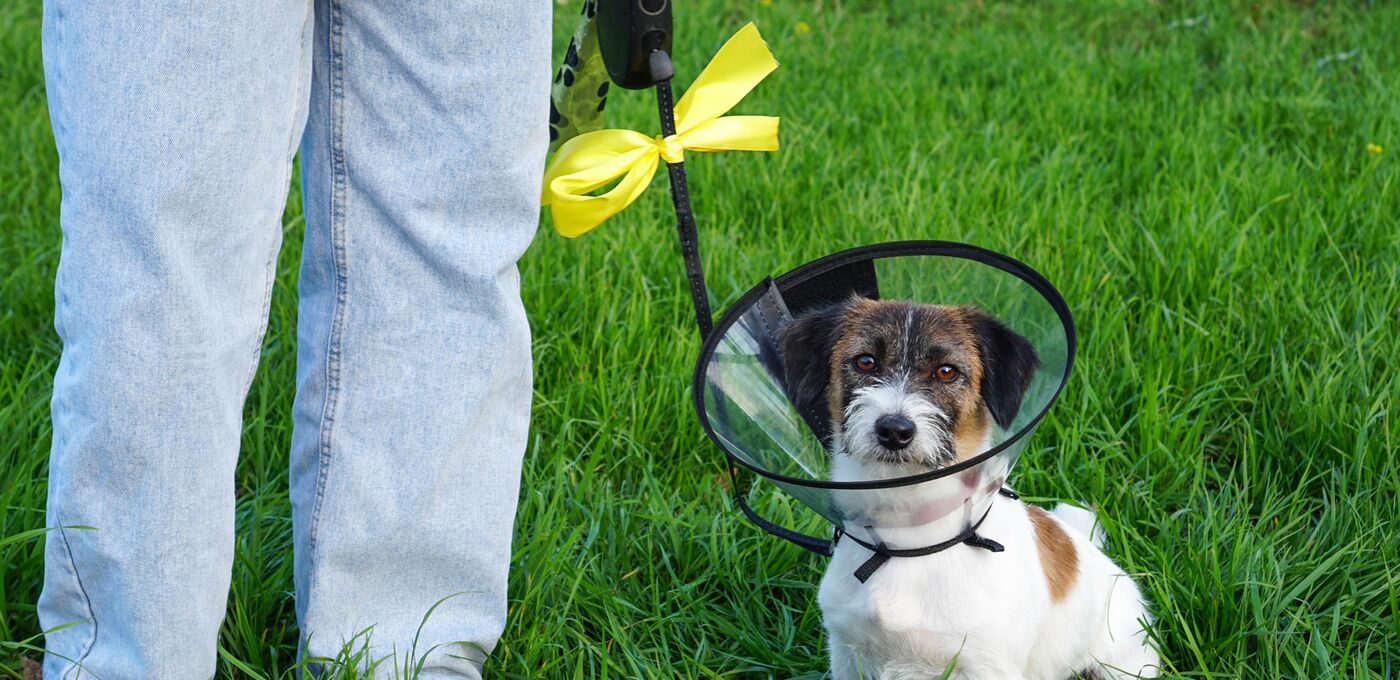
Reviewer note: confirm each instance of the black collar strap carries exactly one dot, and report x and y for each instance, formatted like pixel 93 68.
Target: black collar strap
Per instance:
pixel 883 554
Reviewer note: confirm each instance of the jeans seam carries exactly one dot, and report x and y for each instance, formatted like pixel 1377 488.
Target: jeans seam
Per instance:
pixel 303 93
pixel 71 562
pixel 269 276
pixel 87 646
pixel 270 267
pixel 336 68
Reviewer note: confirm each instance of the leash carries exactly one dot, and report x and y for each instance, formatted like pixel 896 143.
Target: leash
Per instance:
pixel 628 160
pixel 662 71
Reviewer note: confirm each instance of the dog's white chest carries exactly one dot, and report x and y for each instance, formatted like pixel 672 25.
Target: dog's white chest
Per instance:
pixel 896 598
pixel 985 614
pixel 906 613
pixel 915 616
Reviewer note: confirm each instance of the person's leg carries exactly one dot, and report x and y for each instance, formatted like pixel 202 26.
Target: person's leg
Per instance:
pixel 175 125
pixel 422 165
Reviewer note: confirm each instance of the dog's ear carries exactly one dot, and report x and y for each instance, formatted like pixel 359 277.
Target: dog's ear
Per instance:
pixel 806 344
pixel 1008 364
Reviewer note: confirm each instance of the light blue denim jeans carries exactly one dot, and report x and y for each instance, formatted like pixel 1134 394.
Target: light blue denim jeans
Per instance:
pixel 424 138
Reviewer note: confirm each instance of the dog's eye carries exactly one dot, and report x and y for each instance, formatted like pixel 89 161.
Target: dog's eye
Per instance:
pixel 866 363
pixel 945 373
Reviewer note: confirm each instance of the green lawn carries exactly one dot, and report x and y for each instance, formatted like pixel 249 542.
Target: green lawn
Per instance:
pixel 1195 177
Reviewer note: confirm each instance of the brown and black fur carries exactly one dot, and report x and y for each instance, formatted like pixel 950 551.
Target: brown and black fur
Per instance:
pixel 994 364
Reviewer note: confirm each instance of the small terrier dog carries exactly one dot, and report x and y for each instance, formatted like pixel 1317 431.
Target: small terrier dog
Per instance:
pixel 910 388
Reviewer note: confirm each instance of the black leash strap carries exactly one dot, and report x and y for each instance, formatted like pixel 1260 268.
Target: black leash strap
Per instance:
pixel 685 218
pixel 819 546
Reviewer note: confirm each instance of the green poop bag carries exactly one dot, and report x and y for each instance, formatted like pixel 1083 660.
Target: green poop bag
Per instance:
pixel 581 85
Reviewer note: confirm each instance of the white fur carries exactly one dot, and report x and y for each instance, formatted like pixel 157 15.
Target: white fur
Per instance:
pixel 990 611
pixel 931 445
pixel 988 615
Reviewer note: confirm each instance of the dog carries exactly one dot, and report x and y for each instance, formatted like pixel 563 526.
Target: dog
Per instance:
pixel 910 388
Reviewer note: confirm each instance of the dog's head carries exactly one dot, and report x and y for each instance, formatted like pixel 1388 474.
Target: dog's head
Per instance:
pixel 910 385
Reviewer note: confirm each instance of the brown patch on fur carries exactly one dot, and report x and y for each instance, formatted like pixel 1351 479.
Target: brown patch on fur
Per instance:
pixel 970 433
pixel 1058 558
pixel 856 309
pixel 973 421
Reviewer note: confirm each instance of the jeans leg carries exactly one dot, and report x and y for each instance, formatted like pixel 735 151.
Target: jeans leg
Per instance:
pixel 175 124
pixel 422 165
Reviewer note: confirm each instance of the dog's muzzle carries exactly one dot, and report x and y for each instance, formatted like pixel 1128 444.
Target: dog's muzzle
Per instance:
pixel 894 432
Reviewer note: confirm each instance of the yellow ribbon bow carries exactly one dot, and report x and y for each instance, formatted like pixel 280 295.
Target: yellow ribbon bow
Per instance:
pixel 594 159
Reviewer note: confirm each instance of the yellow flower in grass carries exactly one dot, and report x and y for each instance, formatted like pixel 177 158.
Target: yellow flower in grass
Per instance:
pixel 803 28
pixel 765 3
pixel 1374 148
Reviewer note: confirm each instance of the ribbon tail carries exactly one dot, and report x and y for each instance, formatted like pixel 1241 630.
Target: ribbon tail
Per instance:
pixel 599 157
pixel 734 133
pixel 576 213
pixel 740 65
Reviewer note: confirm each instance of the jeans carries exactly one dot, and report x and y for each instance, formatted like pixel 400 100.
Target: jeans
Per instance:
pixel 422 131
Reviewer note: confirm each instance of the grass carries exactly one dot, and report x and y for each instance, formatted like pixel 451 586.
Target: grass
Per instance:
pixel 1195 178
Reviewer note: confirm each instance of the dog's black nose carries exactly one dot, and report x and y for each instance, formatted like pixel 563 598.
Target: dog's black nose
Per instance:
pixel 894 432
